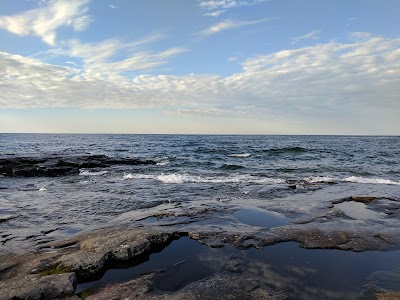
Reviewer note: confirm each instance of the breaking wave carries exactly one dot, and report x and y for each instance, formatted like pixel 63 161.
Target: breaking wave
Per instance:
pixel 354 179
pixel 83 172
pixel 186 178
pixel 370 180
pixel 243 155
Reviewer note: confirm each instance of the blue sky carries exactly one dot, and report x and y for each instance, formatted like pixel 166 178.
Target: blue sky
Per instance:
pixel 200 66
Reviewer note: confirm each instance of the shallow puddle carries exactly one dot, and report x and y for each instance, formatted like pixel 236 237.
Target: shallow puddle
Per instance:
pixel 183 261
pixel 260 217
pixel 357 210
pixel 301 273
pixel 317 273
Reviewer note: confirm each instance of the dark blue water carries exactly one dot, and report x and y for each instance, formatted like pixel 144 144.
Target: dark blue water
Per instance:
pixel 191 170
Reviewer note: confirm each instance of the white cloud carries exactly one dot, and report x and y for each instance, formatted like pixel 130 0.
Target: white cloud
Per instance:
pixel 218 7
pixel 227 25
pixel 313 35
pixel 198 111
pixel 44 22
pixel 214 13
pixel 81 23
pixel 356 82
pixel 103 59
pixel 225 4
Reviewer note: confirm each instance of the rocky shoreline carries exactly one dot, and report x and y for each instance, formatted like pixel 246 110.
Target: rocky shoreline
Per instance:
pixel 54 270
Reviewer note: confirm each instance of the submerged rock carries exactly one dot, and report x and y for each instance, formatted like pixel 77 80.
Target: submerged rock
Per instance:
pixel 223 285
pixel 382 285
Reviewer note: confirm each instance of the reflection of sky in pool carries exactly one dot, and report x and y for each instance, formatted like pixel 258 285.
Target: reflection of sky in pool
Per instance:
pixel 301 273
pixel 260 217
pixel 357 210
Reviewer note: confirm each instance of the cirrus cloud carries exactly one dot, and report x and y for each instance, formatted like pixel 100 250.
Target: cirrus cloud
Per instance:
pixel 228 25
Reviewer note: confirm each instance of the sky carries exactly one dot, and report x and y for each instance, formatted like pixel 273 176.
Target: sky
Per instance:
pixel 200 66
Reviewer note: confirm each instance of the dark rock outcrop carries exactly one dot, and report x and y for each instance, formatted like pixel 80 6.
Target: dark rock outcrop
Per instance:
pixel 61 166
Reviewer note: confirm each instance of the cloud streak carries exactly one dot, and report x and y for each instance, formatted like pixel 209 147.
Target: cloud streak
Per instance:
pixel 219 7
pixel 226 4
pixel 228 25
pixel 313 35
pixel 103 59
pixel 45 21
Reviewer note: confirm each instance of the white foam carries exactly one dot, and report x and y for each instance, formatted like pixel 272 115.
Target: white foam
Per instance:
pixel 317 179
pixel 42 189
pixel 160 158
pixel 357 179
pixel 240 155
pixel 137 176
pixel 186 178
pixel 162 163
pixel 177 178
pixel 83 172
pixel 127 176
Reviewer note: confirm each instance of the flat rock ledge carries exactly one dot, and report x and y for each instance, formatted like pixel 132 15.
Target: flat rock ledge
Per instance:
pixel 54 271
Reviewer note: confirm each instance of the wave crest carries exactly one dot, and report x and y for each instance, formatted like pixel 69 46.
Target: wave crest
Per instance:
pixel 84 172
pixel 357 179
pixel 242 155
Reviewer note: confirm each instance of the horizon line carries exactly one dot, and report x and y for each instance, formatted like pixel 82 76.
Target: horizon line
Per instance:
pixel 210 134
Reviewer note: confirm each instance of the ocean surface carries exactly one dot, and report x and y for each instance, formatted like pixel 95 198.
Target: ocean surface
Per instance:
pixel 189 169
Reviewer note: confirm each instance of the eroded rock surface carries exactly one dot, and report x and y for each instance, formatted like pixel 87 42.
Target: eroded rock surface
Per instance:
pixel 52 274
pixel 223 285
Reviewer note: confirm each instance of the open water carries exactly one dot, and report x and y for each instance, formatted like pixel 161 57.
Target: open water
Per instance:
pixel 237 181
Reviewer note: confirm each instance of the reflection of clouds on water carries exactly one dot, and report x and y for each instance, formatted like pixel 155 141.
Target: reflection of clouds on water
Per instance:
pixel 295 280
pixel 266 273
pixel 359 211
pixel 301 271
pixel 214 257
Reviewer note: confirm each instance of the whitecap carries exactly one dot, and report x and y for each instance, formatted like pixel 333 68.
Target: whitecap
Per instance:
pixel 162 163
pixel 186 178
pixel 42 189
pixel 178 178
pixel 357 179
pixel 317 179
pixel 137 176
pixel 83 172
pixel 160 158
pixel 243 155
pixel 127 176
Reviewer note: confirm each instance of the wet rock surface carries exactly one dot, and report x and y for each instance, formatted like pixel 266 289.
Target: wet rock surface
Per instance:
pixel 382 285
pixel 60 166
pixel 53 273
pixel 223 285
pixel 54 269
